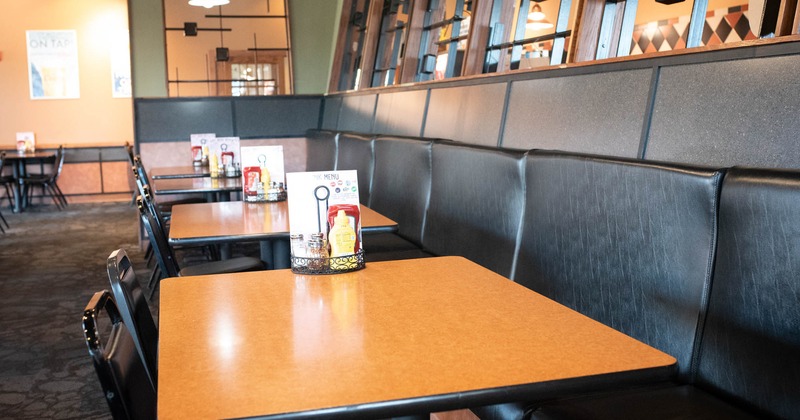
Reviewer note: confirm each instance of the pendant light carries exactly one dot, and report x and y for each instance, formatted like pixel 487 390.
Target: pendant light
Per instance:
pixel 208 3
pixel 536 19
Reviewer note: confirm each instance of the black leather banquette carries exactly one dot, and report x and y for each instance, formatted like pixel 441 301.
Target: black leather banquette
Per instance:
pixel 702 263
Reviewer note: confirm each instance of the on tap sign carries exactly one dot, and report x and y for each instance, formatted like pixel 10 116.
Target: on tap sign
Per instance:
pixel 53 64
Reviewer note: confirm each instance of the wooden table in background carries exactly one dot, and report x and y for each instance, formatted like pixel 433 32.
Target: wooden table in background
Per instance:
pixel 19 162
pixel 171 172
pixel 396 338
pixel 238 221
pixel 215 189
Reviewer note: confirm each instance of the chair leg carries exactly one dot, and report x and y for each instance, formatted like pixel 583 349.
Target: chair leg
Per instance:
pixel 61 195
pixel 4 221
pixel 9 192
pixel 53 194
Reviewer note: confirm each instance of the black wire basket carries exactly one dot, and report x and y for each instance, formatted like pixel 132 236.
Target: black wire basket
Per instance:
pixel 332 265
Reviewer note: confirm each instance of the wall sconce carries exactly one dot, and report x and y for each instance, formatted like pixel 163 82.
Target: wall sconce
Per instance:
pixel 208 3
pixel 536 19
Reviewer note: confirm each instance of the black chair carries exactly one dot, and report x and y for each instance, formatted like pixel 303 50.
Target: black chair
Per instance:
pixel 8 182
pixel 48 181
pixel 134 310
pixel 122 375
pixel 143 180
pixel 168 264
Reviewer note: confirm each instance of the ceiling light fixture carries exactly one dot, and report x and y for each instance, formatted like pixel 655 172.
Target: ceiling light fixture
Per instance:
pixel 536 19
pixel 208 3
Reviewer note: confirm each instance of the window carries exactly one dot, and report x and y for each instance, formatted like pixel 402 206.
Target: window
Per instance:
pixel 444 39
pixel 537 36
pixel 233 50
pixel 391 43
pixel 387 42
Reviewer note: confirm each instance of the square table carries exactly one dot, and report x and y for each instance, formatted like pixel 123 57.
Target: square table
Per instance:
pixel 19 162
pixel 238 221
pixel 396 338
pixel 188 171
pixel 215 189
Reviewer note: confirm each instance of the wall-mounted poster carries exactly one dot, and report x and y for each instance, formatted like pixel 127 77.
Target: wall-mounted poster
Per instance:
pixel 120 66
pixel 53 64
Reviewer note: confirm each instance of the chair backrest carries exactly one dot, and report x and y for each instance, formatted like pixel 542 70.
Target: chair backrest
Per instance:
pixel 355 152
pixel 401 183
pixel 750 347
pixel 625 242
pixel 59 162
pixel 122 375
pixel 152 207
pixel 139 170
pixel 476 204
pixel 130 153
pixel 158 241
pixel 134 310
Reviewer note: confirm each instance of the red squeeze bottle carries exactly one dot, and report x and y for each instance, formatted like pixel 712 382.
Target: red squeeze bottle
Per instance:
pixel 353 212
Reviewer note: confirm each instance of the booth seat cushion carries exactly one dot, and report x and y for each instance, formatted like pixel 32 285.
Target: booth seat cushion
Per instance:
pixel 354 151
pixel 673 402
pixel 387 242
pixel 233 265
pixel 625 242
pixel 396 255
pixel 321 150
pixel 476 204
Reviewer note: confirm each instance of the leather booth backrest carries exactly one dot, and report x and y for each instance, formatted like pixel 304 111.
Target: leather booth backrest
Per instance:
pixel 476 204
pixel 627 243
pixel 355 152
pixel 401 183
pixel 321 150
pixel 750 348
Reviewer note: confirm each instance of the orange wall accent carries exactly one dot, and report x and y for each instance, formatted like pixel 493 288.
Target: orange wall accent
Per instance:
pixel 80 178
pixel 117 177
pixel 94 118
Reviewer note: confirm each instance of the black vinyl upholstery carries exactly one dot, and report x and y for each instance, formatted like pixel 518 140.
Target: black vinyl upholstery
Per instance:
pixel 401 187
pixel 123 377
pixel 355 152
pixel 627 243
pixel 476 204
pixel 321 150
pixel 750 350
pixel 701 263
pixel 650 403
pixel 134 310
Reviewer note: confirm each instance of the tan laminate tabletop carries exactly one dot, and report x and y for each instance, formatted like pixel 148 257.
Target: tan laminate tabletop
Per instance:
pixel 187 171
pixel 263 343
pixel 239 220
pixel 196 185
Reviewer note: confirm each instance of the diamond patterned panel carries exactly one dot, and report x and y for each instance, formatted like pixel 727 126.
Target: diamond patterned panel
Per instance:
pixel 721 26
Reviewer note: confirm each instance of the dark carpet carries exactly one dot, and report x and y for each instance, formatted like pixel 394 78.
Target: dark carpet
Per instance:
pixel 51 262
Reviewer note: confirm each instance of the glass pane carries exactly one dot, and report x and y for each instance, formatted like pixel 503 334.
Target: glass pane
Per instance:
pixel 534 42
pixel 350 76
pixel 394 23
pixel 660 27
pixel 447 28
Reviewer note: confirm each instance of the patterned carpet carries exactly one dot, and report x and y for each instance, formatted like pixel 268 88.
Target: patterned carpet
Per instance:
pixel 51 262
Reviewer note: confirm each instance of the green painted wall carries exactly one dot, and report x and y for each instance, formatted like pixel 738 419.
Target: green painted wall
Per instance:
pixel 148 56
pixel 313 33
